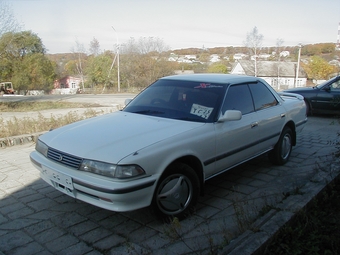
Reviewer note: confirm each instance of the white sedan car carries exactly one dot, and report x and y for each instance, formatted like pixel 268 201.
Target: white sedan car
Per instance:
pixel 176 134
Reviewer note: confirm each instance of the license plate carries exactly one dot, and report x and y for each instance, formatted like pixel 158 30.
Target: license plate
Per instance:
pixel 60 181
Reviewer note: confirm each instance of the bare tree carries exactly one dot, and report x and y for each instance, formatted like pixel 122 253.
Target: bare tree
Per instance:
pixel 151 44
pixel 7 20
pixel 279 43
pixel 254 43
pixel 145 45
pixel 94 47
pixel 7 24
pixel 79 52
pixel 144 60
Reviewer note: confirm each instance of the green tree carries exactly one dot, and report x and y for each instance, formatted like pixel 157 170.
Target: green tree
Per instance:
pixel 317 68
pixel 217 68
pixel 34 72
pixel 18 45
pixel 23 61
pixel 98 70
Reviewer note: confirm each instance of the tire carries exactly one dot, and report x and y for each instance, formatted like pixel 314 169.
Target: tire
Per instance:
pixel 282 150
pixel 177 192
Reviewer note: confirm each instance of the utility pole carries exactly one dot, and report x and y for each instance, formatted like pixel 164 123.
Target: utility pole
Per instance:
pixel 117 54
pixel 298 66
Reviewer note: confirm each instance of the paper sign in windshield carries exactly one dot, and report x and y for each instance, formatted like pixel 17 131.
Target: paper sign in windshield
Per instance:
pixel 201 110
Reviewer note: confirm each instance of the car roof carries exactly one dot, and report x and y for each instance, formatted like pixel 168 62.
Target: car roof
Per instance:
pixel 213 78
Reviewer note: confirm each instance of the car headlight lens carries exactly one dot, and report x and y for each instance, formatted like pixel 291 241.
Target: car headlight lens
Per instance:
pixel 41 148
pixel 129 171
pixel 111 170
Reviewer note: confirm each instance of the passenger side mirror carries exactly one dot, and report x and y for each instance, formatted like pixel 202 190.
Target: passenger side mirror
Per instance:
pixel 230 115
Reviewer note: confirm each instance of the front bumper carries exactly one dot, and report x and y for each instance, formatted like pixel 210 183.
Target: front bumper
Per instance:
pixel 114 195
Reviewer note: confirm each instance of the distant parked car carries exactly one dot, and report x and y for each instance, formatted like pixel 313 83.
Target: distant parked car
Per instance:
pixel 323 98
pixel 176 134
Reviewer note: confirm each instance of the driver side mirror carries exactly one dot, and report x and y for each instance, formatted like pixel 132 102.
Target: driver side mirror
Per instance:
pixel 327 88
pixel 230 115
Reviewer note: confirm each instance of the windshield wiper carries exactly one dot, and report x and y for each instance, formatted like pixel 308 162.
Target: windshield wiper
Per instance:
pixel 149 112
pixel 191 119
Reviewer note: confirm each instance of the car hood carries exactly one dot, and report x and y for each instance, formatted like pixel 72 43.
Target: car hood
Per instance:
pixel 112 137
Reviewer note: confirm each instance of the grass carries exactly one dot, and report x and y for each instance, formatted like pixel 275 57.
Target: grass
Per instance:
pixel 315 230
pixel 28 125
pixel 39 106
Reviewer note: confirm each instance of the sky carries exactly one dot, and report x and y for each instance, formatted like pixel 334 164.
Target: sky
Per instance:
pixel 178 23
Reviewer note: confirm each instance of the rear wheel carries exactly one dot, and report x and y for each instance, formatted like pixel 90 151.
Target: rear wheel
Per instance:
pixel 177 192
pixel 282 150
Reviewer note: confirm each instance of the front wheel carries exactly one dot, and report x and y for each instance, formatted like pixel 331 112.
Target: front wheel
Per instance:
pixel 308 108
pixel 281 152
pixel 177 192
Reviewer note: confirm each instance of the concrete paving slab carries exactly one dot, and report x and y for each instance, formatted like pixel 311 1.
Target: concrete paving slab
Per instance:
pixel 230 219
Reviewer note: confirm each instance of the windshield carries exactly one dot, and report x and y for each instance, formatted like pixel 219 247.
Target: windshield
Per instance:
pixel 177 99
pixel 325 82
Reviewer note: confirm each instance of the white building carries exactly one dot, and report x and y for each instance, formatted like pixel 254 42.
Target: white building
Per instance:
pixel 280 75
pixel 239 56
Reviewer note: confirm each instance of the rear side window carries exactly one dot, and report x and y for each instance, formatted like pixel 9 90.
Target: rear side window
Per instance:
pixel 238 98
pixel 262 96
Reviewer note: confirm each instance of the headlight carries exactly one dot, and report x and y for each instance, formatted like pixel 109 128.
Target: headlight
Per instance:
pixel 111 170
pixel 41 147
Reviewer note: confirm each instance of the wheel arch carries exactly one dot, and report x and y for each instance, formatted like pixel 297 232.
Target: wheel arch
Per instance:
pixel 291 125
pixel 309 108
pixel 196 165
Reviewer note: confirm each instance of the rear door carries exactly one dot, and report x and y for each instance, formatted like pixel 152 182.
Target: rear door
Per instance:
pixel 270 115
pixel 258 130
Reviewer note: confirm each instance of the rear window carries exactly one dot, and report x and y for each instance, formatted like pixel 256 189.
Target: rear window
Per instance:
pixel 262 96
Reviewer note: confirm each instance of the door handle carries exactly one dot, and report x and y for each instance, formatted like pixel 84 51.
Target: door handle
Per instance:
pixel 255 124
pixel 283 115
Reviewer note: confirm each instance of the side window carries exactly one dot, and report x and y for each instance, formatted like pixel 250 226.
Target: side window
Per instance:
pixel 335 85
pixel 263 97
pixel 238 98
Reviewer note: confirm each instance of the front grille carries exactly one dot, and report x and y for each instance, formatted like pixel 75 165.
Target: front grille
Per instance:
pixel 64 158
